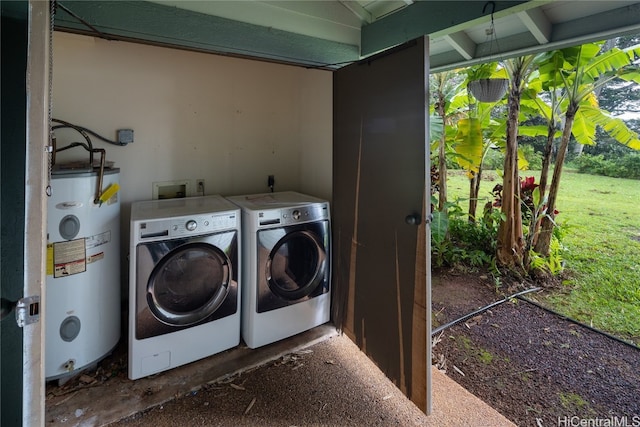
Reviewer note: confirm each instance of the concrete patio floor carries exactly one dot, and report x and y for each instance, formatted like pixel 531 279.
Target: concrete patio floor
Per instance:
pixel 317 369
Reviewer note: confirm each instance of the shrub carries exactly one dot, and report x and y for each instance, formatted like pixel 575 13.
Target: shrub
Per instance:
pixel 595 165
pixel 631 165
pixel 455 240
pixel 627 166
pixel 493 160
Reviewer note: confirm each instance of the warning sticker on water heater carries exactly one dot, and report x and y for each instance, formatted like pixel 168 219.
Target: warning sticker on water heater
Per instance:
pixel 69 257
pixel 98 239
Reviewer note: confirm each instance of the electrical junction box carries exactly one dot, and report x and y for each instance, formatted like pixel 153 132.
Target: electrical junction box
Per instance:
pixel 125 136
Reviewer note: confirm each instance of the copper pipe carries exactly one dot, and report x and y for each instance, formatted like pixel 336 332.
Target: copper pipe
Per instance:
pixel 102 152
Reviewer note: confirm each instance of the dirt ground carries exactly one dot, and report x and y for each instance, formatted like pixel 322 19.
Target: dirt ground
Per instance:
pixel 532 366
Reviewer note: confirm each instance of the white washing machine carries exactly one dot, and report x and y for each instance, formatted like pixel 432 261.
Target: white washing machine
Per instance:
pixel 286 265
pixel 184 279
pixel 82 313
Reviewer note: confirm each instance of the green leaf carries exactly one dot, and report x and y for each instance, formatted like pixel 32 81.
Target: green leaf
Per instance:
pixel 536 196
pixel 583 130
pixel 468 144
pixel 439 226
pixel 523 163
pixel 534 130
pixel 615 127
pixel 436 127
pixel 630 75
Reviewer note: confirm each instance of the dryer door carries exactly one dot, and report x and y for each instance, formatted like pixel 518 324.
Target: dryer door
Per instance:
pixel 297 265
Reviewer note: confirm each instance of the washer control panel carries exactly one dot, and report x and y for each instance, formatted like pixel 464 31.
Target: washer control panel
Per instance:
pixel 188 225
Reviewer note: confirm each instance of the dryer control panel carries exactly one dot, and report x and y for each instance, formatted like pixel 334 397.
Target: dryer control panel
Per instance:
pixel 293 215
pixel 187 226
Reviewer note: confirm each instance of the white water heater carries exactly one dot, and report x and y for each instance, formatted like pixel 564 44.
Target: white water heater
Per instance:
pixel 82 305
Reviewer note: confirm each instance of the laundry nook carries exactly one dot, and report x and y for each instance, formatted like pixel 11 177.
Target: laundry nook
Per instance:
pixel 192 189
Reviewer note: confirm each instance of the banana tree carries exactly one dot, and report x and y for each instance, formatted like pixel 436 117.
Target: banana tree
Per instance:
pixel 582 70
pixel 473 138
pixel 444 87
pixel 510 245
pixel 551 113
pixel 471 144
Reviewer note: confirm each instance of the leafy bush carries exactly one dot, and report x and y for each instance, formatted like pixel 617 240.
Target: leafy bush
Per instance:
pixel 594 165
pixel 627 166
pixel 493 160
pixel 455 240
pixel 631 165
pixel 554 262
pixel 470 236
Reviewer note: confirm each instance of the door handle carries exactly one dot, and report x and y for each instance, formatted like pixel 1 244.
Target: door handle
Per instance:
pixel 413 219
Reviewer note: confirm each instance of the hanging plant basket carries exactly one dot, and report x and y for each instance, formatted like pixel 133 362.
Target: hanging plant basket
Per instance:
pixel 488 90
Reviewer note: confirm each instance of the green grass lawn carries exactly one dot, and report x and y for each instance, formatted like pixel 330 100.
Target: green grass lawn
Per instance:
pixel 601 220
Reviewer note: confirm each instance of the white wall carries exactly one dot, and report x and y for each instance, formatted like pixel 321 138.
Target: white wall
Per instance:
pixel 229 121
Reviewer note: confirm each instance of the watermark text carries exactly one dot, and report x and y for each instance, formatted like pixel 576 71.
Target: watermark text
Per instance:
pixel 576 421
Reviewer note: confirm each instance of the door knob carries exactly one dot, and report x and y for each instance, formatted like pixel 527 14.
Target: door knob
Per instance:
pixel 413 219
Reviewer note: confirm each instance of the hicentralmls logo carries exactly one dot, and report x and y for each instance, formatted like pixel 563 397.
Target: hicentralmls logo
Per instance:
pixel 598 422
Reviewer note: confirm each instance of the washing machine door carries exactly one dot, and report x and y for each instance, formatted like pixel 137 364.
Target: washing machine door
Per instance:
pixel 188 284
pixel 297 265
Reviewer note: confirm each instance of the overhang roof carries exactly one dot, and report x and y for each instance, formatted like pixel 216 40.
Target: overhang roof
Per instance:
pixel 332 33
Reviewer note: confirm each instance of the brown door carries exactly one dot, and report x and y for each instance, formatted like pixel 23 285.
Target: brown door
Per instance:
pixel 381 263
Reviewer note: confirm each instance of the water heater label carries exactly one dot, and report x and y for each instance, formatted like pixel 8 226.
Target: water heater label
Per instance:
pixel 98 239
pixel 95 257
pixel 69 257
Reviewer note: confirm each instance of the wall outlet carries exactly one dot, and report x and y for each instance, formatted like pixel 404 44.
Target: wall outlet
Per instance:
pixel 199 190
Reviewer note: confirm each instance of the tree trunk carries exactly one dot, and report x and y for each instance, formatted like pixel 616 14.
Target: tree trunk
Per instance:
pixel 472 199
pixel 546 160
pixel 546 230
pixel 442 163
pixel 510 249
pixel 474 189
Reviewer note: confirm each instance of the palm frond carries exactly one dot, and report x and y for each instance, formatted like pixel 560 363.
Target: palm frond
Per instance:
pixel 615 127
pixel 583 130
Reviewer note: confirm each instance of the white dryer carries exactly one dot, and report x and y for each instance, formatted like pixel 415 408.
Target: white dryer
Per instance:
pixel 184 279
pixel 286 265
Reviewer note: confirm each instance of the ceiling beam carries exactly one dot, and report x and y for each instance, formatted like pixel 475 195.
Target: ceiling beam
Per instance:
pixel 430 17
pixel 153 23
pixel 363 14
pixel 604 25
pixel 537 24
pixel 623 20
pixel 462 43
